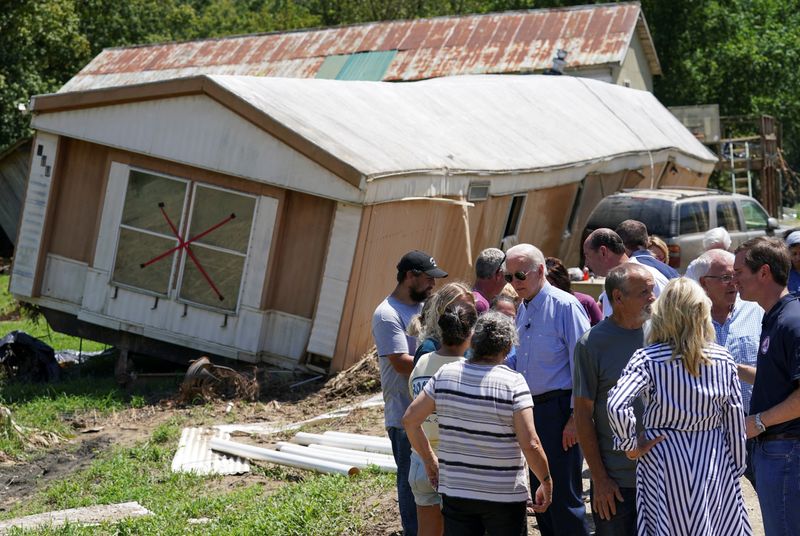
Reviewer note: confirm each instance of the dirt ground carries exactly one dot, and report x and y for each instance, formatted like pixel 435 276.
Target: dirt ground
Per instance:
pixel 96 434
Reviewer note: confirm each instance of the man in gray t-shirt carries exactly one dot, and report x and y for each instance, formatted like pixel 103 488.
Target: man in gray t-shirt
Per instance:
pixel 600 355
pixel 416 273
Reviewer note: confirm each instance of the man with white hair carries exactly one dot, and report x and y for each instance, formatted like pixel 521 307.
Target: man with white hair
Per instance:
pixel 716 238
pixel 550 322
pixel 737 323
pixel 488 278
pixel 793 243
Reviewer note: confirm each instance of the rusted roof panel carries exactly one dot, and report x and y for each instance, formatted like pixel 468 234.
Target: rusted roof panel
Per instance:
pixel 511 42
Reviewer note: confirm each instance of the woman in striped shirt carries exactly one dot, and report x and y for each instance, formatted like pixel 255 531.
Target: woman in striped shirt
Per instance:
pixel 486 432
pixel 692 450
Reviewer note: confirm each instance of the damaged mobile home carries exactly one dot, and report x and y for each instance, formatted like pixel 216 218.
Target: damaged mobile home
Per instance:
pixel 261 218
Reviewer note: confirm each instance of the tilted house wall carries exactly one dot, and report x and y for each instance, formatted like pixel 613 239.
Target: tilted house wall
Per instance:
pixel 311 190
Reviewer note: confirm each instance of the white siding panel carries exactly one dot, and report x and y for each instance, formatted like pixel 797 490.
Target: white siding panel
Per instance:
pixel 64 279
pixel 285 335
pixel 199 131
pixel 111 217
pixel 338 264
pixel 258 258
pixel 34 211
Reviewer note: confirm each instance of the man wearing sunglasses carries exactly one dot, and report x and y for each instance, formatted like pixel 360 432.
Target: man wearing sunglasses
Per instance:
pixel 550 322
pixel 416 275
pixel 737 323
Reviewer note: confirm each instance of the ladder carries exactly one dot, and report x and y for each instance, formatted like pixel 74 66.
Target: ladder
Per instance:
pixel 741 174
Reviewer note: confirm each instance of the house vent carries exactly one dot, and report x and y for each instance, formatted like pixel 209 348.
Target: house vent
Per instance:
pixel 478 191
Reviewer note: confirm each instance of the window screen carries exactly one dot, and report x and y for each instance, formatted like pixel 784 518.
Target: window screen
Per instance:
pixel 693 217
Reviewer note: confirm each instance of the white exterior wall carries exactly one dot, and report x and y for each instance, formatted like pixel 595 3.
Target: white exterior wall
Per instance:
pixel 34 212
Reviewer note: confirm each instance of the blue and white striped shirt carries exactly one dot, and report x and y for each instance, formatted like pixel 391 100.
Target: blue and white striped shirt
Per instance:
pixel 740 335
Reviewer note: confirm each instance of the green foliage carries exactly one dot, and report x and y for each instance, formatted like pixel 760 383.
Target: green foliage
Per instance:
pixel 742 54
pixel 317 505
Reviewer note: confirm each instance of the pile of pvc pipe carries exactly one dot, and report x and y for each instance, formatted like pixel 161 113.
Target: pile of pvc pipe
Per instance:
pixel 252 452
pixel 330 452
pixel 343 440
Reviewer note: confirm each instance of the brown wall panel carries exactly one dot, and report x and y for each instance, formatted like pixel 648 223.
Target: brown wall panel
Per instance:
pixel 545 216
pixel 79 189
pixel 388 231
pixel 487 222
pixel 300 252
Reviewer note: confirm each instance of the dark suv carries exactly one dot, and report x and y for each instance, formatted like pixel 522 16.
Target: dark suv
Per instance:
pixel 682 216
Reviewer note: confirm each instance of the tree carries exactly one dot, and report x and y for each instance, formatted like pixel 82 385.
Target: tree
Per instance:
pixel 40 47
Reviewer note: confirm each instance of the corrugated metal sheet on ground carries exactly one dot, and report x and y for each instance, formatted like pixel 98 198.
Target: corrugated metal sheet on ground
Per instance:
pixel 266 428
pixel 194 455
pixel 510 42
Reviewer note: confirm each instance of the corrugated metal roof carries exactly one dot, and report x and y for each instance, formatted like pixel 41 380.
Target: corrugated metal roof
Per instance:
pixel 195 456
pixel 510 42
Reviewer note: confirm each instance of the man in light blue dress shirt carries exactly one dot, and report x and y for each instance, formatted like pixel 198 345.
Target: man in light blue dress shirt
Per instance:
pixel 737 322
pixel 550 322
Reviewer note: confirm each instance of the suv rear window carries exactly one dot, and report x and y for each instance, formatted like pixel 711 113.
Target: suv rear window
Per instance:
pixel 693 217
pixel 654 213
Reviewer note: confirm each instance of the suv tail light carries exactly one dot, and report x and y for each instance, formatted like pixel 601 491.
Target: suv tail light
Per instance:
pixel 674 255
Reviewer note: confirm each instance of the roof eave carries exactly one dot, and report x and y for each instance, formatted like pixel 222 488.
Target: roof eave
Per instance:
pixel 196 85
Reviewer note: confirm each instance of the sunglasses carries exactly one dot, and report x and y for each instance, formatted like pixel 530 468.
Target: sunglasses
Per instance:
pixel 724 278
pixel 521 276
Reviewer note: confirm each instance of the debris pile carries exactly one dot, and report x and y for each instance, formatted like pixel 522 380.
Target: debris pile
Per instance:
pixel 205 381
pixel 28 437
pixel 363 377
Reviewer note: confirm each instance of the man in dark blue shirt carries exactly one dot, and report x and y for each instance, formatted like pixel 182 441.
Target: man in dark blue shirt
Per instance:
pixel 761 270
pixel 634 235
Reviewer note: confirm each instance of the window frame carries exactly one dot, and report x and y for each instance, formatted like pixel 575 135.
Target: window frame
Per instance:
pixel 179 257
pixel 759 208
pixel 509 214
pixel 179 225
pixel 245 256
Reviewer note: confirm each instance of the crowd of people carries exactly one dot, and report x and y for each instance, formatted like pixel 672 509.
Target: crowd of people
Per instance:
pixel 670 387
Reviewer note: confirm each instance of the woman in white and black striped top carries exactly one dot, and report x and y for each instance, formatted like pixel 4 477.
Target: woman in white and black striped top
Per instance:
pixel 486 433
pixel 692 451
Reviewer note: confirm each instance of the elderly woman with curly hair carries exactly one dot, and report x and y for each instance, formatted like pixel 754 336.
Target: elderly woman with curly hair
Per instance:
pixel 692 450
pixel 486 433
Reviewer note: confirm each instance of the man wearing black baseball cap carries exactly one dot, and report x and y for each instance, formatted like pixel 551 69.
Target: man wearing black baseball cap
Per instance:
pixel 416 275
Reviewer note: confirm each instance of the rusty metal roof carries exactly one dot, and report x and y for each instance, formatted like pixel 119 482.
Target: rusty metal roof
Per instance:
pixel 510 42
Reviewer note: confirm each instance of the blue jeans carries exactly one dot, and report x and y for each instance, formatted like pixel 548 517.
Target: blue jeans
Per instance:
pixel 565 516
pixel 624 521
pixel 777 468
pixel 401 450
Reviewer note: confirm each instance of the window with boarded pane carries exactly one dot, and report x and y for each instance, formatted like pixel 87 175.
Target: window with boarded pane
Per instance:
pixel 220 232
pixel 207 267
pixel 145 232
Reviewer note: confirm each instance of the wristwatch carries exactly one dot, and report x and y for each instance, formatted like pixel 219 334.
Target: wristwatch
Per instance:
pixel 759 425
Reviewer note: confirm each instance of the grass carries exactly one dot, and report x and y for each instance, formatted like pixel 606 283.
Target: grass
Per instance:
pixel 310 504
pixel 38 328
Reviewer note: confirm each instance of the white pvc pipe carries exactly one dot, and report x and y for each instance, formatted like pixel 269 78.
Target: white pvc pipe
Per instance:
pixel 374 455
pixel 358 461
pixel 292 460
pixel 366 438
pixel 305 438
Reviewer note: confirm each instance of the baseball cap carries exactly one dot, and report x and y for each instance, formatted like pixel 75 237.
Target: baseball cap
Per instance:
pixel 421 262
